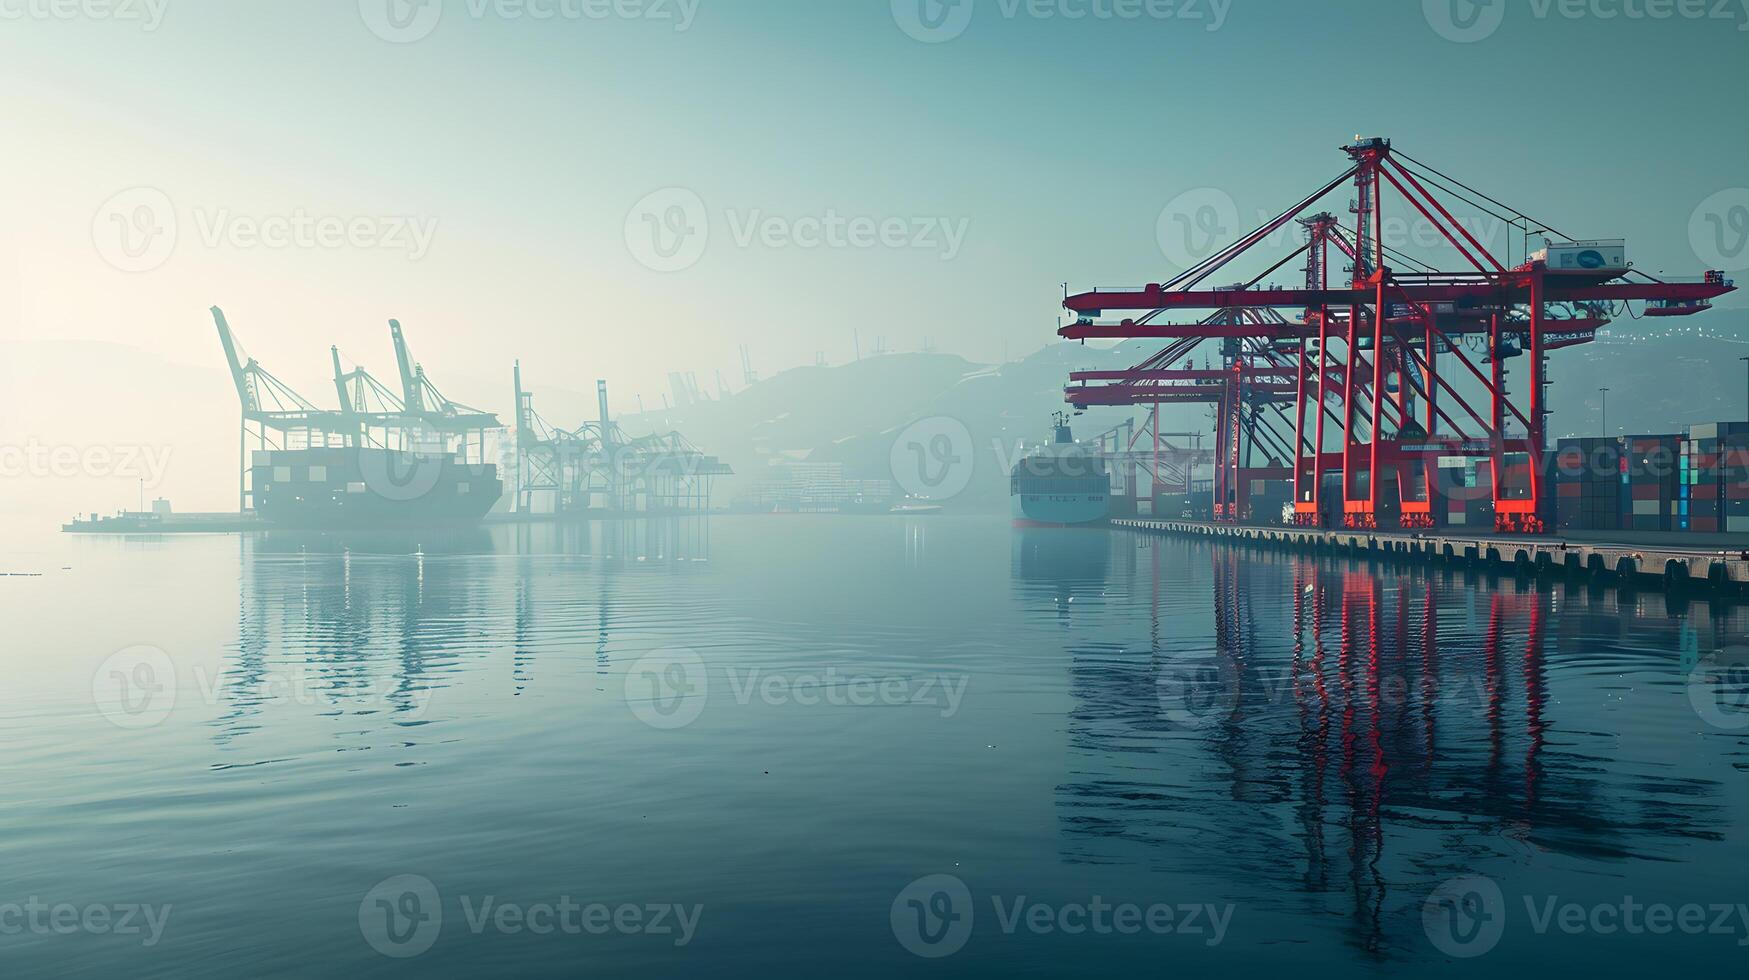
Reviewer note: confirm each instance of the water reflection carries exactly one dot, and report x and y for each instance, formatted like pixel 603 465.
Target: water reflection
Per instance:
pixel 1333 739
pixel 374 625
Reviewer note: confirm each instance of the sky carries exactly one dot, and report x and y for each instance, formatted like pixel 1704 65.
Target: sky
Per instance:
pixel 622 188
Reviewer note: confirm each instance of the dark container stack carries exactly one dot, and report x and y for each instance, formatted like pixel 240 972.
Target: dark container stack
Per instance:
pixel 1466 494
pixel 1719 495
pixel 1652 481
pixel 1588 485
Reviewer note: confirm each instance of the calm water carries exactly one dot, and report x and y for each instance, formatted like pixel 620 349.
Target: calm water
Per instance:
pixel 735 747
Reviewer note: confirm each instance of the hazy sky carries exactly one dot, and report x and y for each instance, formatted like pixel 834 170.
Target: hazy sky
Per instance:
pixel 484 173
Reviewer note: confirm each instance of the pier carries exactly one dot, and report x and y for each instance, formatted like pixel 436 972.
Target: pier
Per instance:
pixel 1666 561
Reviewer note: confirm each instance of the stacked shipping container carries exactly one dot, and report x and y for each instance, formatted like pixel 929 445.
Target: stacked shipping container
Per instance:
pixel 1651 481
pixel 1698 482
pixel 1588 485
pixel 1720 491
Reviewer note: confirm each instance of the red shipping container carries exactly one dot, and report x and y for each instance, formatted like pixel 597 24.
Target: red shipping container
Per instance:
pixel 1649 491
pixel 1705 525
pixel 1737 457
pixel 1705 491
pixel 1737 491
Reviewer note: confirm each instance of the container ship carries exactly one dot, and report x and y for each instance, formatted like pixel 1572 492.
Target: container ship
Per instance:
pixel 347 488
pixel 1061 484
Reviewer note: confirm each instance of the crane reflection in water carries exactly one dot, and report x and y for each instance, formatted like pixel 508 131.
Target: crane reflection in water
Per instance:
pixel 314 612
pixel 1330 740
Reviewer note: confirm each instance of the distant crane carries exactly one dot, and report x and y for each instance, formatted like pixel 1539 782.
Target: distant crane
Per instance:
pixel 748 377
pixel 275 415
pixel 446 420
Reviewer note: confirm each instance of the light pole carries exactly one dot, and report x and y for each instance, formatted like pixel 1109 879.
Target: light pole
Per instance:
pixel 1605 392
pixel 1745 361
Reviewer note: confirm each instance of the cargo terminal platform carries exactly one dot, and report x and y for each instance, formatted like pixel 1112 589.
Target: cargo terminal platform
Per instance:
pixel 1676 562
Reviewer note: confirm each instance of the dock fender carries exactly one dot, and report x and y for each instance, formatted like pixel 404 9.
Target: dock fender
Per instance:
pixel 1626 567
pixel 1675 573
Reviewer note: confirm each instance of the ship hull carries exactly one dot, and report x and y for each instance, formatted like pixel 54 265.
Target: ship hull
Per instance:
pixel 1059 509
pixel 350 489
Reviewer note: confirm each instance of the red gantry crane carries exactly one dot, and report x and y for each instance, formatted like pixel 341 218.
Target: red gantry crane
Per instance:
pixel 1377 367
